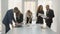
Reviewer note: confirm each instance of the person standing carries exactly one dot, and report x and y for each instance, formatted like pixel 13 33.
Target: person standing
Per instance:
pixel 39 18
pixel 8 18
pixel 50 16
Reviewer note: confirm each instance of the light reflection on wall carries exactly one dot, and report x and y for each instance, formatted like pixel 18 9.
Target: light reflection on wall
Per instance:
pixel 0 17
pixel 15 3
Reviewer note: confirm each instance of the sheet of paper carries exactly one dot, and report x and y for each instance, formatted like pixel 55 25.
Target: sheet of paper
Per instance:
pixel 42 15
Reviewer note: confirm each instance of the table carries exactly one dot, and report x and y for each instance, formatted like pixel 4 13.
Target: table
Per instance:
pixel 32 29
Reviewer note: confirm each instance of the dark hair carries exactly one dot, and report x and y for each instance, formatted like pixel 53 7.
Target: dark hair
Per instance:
pixel 47 5
pixel 16 8
pixel 18 13
pixel 39 8
pixel 29 11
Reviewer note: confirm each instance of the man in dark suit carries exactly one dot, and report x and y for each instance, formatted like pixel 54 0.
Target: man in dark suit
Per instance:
pixel 8 18
pixel 50 15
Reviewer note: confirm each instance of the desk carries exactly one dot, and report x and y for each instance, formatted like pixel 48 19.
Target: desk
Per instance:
pixel 32 29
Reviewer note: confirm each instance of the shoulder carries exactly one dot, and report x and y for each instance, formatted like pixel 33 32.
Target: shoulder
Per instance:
pixel 51 9
pixel 10 11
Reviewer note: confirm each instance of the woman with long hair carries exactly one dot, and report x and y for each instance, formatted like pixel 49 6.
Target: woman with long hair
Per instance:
pixel 19 18
pixel 39 11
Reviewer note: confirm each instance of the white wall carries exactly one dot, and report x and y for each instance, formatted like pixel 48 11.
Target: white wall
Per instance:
pixel 4 8
pixel 0 15
pixel 15 3
pixel 54 24
pixel 57 5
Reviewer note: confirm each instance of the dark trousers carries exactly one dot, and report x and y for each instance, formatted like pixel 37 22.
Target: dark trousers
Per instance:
pixel 49 24
pixel 28 20
pixel 7 28
pixel 39 20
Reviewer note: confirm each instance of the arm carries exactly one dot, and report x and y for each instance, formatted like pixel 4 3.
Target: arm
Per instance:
pixel 14 19
pixel 51 14
pixel 11 16
pixel 43 12
pixel 37 14
pixel 21 17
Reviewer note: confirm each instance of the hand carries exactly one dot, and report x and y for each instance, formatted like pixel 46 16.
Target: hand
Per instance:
pixel 16 23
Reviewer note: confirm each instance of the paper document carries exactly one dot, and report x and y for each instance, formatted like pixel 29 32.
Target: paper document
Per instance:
pixel 42 15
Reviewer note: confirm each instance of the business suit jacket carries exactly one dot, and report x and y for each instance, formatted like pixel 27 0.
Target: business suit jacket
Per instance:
pixel 8 17
pixel 50 14
pixel 39 18
pixel 20 18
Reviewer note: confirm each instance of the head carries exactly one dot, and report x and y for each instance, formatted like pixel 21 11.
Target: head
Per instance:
pixel 47 7
pixel 16 9
pixel 40 8
pixel 18 13
pixel 29 12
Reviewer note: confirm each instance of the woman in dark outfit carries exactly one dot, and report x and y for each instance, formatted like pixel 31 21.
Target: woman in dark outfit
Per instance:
pixel 19 18
pixel 39 18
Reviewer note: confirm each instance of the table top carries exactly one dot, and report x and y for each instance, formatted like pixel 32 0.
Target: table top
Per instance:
pixel 31 29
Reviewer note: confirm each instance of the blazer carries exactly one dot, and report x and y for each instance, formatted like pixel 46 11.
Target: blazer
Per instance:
pixel 50 14
pixel 8 17
pixel 39 18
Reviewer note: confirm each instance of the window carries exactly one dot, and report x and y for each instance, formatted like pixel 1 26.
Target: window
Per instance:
pixel 15 3
pixel 30 5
